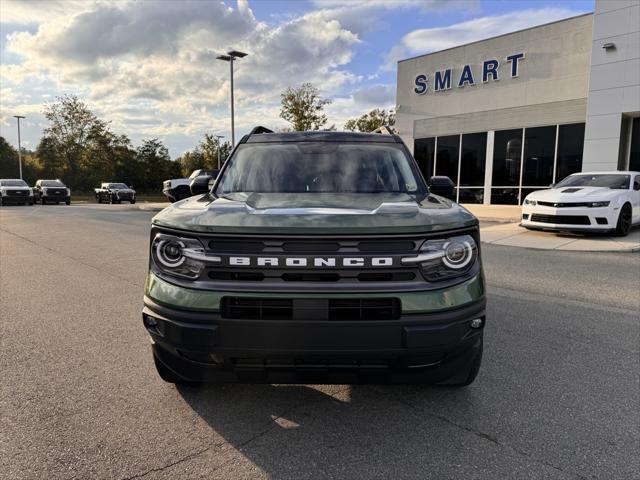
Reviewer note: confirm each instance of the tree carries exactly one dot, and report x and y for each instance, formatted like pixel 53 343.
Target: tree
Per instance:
pixel 370 121
pixel 208 146
pixel 73 126
pixel 8 160
pixel 155 164
pixel 205 155
pixel 303 108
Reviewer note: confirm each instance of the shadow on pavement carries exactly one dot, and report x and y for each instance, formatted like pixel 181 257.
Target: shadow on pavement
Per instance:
pixel 300 431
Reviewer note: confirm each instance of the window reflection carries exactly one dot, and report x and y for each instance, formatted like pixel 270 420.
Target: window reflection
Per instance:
pixel 504 196
pixel 507 150
pixel 471 195
pixel 447 158
pixel 570 143
pixel 472 163
pixel 634 157
pixel 539 147
pixel 423 150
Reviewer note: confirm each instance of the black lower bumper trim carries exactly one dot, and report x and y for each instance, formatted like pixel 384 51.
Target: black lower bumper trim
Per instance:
pixel 414 348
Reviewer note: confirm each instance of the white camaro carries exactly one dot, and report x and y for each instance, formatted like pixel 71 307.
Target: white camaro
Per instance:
pixel 598 201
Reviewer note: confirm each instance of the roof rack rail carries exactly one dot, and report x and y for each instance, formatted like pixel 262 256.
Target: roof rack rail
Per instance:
pixel 386 130
pixel 260 129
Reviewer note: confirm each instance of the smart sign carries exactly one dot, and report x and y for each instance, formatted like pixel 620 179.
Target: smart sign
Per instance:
pixel 443 79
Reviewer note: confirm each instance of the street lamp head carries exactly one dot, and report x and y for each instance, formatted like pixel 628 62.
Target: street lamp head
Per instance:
pixel 237 54
pixel 19 116
pixel 226 58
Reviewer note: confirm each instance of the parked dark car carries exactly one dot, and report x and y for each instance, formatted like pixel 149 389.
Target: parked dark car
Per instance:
pixel 51 191
pixel 115 193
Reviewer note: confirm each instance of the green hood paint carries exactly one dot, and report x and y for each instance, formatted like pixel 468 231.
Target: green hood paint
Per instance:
pixel 314 213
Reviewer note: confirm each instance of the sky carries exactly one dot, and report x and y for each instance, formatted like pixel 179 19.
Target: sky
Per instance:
pixel 149 66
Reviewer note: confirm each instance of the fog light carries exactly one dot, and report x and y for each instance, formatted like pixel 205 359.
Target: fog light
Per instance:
pixel 150 321
pixel 477 323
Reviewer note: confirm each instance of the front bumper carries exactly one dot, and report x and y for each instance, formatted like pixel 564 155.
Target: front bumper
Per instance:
pixel 15 199
pixel 416 347
pixel 56 198
pixel 601 219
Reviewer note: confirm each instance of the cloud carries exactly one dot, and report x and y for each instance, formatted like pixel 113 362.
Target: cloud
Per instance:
pixel 428 40
pixel 375 96
pixel 162 62
pixel 21 12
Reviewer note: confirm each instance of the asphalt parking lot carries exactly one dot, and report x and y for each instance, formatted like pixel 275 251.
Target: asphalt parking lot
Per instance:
pixel 557 396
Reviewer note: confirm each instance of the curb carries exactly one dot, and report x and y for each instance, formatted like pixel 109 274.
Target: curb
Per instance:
pixel 498 219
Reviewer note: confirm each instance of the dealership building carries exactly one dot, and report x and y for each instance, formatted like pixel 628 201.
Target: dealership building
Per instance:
pixel 515 113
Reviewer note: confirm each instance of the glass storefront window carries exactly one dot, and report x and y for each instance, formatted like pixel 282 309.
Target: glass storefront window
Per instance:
pixel 471 195
pixel 447 158
pixel 507 150
pixel 539 148
pixel 473 159
pixel 570 144
pixel 504 196
pixel 423 150
pixel 634 154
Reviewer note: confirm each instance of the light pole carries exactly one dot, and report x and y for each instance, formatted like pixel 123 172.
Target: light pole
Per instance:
pixel 230 57
pixel 219 137
pixel 18 117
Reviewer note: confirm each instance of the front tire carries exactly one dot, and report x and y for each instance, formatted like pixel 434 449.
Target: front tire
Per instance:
pixel 132 202
pixel 68 202
pixel 624 220
pixel 43 201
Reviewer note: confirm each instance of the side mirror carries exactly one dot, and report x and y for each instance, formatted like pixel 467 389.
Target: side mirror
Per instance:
pixel 215 173
pixel 442 186
pixel 200 185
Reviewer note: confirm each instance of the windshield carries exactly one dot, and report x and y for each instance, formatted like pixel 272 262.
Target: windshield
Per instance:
pixel 316 167
pixel 598 180
pixel 52 183
pixel 118 186
pixel 13 183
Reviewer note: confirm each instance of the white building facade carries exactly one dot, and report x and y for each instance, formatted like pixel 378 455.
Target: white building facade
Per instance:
pixel 515 113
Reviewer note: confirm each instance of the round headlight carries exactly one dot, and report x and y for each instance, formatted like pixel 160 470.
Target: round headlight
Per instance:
pixel 457 254
pixel 169 253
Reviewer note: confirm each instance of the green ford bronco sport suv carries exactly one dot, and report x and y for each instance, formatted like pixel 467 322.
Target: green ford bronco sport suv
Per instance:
pixel 316 257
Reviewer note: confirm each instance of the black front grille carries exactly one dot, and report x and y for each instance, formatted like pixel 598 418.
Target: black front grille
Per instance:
pixel 56 192
pixel 17 193
pixel 563 205
pixel 332 309
pixel 306 276
pixel 561 219
pixel 125 195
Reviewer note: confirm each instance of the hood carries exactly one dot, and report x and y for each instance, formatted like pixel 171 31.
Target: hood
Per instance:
pixel 123 190
pixel 282 213
pixel 574 194
pixel 20 189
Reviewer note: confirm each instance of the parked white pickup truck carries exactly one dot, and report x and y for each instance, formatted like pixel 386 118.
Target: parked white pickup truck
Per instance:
pixel 179 188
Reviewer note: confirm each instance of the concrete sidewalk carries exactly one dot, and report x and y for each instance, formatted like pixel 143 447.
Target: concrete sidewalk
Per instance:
pixel 508 232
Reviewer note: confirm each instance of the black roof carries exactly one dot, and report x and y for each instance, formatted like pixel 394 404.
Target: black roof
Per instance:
pixel 320 137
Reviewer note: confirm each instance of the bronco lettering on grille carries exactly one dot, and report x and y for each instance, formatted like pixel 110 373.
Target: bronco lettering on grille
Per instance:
pixel 317 262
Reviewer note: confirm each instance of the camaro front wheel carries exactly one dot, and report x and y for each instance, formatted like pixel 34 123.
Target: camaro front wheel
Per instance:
pixel 624 220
